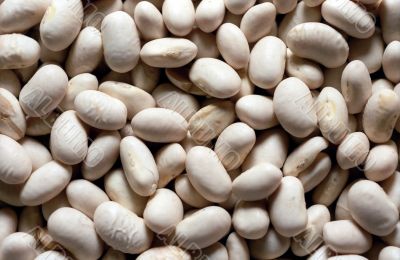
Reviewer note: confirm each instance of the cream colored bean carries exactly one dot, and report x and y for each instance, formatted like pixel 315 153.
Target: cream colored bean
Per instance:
pixel 313 3
pixel 13 123
pixel 180 78
pixel 271 246
pixel 76 85
pixel 18 246
pixel 170 161
pixel 59 201
pixel 102 154
pixel 85 53
pixel 345 237
pixel 342 211
pixel 117 188
pixel 100 110
pixel 10 194
pixel 167 252
pixel 237 247
pixel 294 107
pixel 19 51
pixel 331 187
pixel 68 139
pixel 356 86
pixel 9 222
pixel 347 257
pixel 168 52
pixel 393 238
pixel 389 252
pixel 353 150
pixel 205 74
pixel 159 125
pixel 113 254
pixel 211 120
pixel 53 57
pixel 332 115
pixel 139 166
pixel 359 25
pixel 215 251
pixel 166 203
pixel 169 97
pixel 15 165
pixel 369 51
pixel 179 16
pixel 257 111
pixel 390 20
pixel 188 193
pixel 377 215
pixel 303 39
pixel 206 44
pixel 202 162
pixel 246 88
pixel 380 115
pixel 94 12
pixel 145 77
pixel 44 91
pixel 271 146
pixel 391 186
pixel 381 161
pixel 258 21
pixel 284 7
pixel 210 14
pixel 121 41
pixel 9 81
pixel 149 21
pixel 37 152
pixel 322 253
pixel 76 232
pixel 287 207
pixel 267 62
pixel 238 7
pixel 61 24
pixel 304 155
pixel 30 219
pixel 233 45
pixel 254 210
pixel 316 172
pixel 200 230
pixel 45 183
pixel 24 74
pixel 85 196
pixel 51 255
pixel 391 61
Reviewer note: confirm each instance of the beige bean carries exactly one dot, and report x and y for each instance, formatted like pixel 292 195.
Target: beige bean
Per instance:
pixel 59 201
pixel 205 74
pixel 294 107
pixel 113 254
pixel 15 165
pixel 10 194
pixel 145 77
pixel 76 85
pixel 237 247
pixel 257 111
pixel 391 61
pixel 13 123
pixel 215 251
pixel 206 44
pixel 37 152
pixel 139 166
pixel 126 131
pixel 180 78
pixel 9 222
pixel 200 230
pixel 271 246
pixel 287 207
pixel 121 41
pixel 166 203
pixel 359 25
pixel 389 252
pixel 303 39
pixel 284 7
pixel 369 51
pixel 356 86
pixel 102 154
pixel 44 91
pixel 202 162
pixel 75 232
pixel 179 16
pixel 342 210
pixel 211 120
pixel 322 253
pixel 210 14
pixel 345 237
pixel 149 21
pixel 380 115
pixel 390 20
pixel 167 252
pixel 271 146
pixel 170 160
pixel 381 161
pixel 258 21
pixel 377 215
pixel 94 12
pixel 353 150
pixel 100 110
pixel 316 172
pixel 247 87
pixel 18 246
pixel 117 188
pixel 267 62
pixel 45 183
pixel 85 53
pixel 49 56
pixel 185 190
pixel 347 257
pixel 238 6
pixel 391 186
pixel 68 139
pixel 311 238
pixel 30 220
pixel 304 155
pixel 313 3
pixel 10 81
pixel 257 212
pixel 51 255
pixel 61 24
pixel 19 51
pixel 168 96
pixel 393 239
pixel 332 115
pixel 330 188
pixel 168 52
